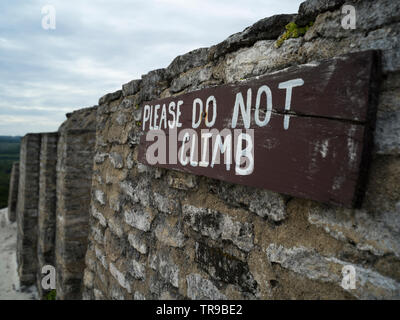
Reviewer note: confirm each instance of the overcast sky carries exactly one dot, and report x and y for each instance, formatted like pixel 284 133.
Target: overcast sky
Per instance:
pixel 99 45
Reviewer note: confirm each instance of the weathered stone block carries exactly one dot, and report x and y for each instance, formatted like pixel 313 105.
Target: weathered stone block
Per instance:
pixel 169 233
pixel 205 221
pixel 153 83
pixel 265 29
pixel 120 277
pixel 266 204
pixel 165 266
pixel 100 197
pixel 311 8
pixel 224 267
pixel 183 63
pixel 97 214
pixel 165 204
pixel 139 218
pixel 116 160
pixel 192 79
pixel 13 192
pixel 377 233
pixel 215 225
pixel 138 243
pixel 138 296
pixel 137 270
pixel 131 88
pixel 109 97
pixel 199 288
pixel 182 181
pixel 47 204
pixel 27 208
pixel 387 133
pixel 309 263
pixel 75 154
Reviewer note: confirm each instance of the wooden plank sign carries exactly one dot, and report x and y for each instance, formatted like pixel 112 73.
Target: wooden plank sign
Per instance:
pixel 304 131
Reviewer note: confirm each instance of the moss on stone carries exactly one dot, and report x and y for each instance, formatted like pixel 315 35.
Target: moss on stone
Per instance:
pixel 51 295
pixel 293 31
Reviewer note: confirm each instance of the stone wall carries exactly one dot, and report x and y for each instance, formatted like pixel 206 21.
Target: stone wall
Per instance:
pixel 124 230
pixel 13 192
pixel 47 205
pixel 74 175
pixel 27 208
pixel 159 234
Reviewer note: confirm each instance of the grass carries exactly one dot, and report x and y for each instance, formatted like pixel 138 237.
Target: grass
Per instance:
pixel 9 153
pixel 52 295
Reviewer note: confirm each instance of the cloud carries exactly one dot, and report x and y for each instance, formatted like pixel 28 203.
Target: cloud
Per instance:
pixel 99 45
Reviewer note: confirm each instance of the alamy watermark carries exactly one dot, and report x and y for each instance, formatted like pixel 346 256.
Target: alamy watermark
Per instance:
pixel 349 277
pixel 49 17
pixel 49 278
pixel 349 20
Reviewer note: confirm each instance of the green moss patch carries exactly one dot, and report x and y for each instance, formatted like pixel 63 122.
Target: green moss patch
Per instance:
pixel 293 31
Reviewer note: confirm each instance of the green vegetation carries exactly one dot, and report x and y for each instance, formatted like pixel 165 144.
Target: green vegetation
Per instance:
pixel 52 295
pixel 9 153
pixel 293 31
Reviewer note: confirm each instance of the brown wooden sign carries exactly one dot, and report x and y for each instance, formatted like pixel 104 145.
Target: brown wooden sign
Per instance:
pixel 304 131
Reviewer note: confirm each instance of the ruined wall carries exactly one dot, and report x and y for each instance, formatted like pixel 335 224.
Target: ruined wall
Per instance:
pixel 13 192
pixel 53 203
pixel 47 205
pixel 27 208
pixel 74 175
pixel 159 234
